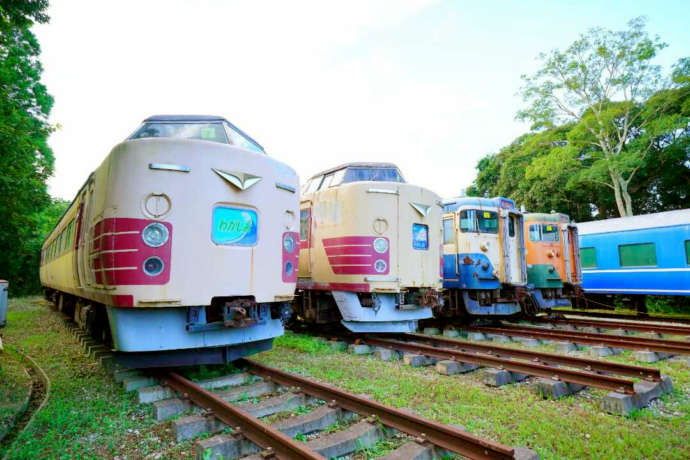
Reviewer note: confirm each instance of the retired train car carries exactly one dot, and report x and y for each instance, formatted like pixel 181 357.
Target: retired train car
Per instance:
pixel 637 256
pixel 484 272
pixel 181 248
pixel 369 249
pixel 554 272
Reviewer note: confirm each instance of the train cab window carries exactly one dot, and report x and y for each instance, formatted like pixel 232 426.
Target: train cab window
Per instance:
pixel 360 174
pixel 511 226
pixel 314 184
pixel 338 177
pixel 448 231
pixel 488 221
pixel 687 252
pixel 241 140
pixel 588 257
pixel 468 220
pixel 199 131
pixel 637 255
pixel 549 233
pixel 327 179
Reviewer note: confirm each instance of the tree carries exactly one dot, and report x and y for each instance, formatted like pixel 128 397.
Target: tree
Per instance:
pixel 599 86
pixel 26 161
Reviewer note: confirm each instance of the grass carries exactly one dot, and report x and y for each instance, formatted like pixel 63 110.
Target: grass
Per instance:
pixel 15 386
pixel 573 427
pixel 88 414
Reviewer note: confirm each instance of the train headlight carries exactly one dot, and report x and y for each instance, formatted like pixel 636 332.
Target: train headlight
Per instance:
pixel 380 266
pixel 380 245
pixel 153 266
pixel 155 234
pixel 289 243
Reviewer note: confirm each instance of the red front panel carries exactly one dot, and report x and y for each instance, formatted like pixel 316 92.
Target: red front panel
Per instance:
pixel 355 255
pixel 118 253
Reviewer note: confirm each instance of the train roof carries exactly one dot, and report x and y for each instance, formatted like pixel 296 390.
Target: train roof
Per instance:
pixel 184 118
pixel 452 204
pixel 620 224
pixel 358 164
pixel 548 217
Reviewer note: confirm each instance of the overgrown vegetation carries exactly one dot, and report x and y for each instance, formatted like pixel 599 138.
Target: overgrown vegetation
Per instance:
pixel 15 385
pixel 609 132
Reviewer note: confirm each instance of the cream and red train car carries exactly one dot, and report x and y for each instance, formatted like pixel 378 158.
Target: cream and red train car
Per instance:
pixel 369 249
pixel 181 247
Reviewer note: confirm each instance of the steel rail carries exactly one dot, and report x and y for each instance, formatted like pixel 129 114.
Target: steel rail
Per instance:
pixel 255 430
pixel 444 436
pixel 647 373
pixel 590 338
pixel 605 382
pixel 660 328
pixel 638 317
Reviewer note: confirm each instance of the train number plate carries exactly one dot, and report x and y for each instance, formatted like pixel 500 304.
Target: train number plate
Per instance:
pixel 234 226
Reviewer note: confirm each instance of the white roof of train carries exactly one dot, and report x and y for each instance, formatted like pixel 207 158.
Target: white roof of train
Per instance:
pixel 619 224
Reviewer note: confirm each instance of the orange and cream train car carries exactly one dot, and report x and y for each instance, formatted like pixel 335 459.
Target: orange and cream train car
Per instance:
pixel 181 247
pixel 369 249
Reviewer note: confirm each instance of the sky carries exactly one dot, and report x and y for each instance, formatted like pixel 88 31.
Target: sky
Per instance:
pixel 429 85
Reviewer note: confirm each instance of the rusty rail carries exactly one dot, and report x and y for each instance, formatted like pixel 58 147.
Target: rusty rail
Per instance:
pixel 589 338
pixel 255 430
pixel 446 437
pixel 647 373
pixel 638 317
pixel 659 328
pixel 605 382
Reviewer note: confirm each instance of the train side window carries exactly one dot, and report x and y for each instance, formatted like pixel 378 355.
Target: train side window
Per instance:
pixel 637 255
pixel 314 184
pixel 338 177
pixel 687 252
pixel 511 226
pixel 448 231
pixel 304 220
pixel 326 182
pixel 588 257
pixel 468 221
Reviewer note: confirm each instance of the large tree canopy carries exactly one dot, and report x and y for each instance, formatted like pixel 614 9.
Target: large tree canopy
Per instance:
pixel 602 87
pixel 608 135
pixel 26 161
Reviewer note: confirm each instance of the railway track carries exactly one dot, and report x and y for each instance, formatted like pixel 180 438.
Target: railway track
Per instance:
pixel 587 338
pixel 624 325
pixel 638 317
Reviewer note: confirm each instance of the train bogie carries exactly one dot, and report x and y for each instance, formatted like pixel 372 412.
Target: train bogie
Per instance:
pixel 484 271
pixel 180 237
pixel 369 249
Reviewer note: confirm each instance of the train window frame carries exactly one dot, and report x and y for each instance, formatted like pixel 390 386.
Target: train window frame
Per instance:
pixel 687 252
pixel 470 215
pixel 326 182
pixel 338 177
pixel 314 184
pixel 555 232
pixel 639 246
pixel 306 221
pixel 584 259
pixel 244 141
pixel 511 226
pixel 480 216
pixel 451 233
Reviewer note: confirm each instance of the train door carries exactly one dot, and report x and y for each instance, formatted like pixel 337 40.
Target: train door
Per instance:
pixel 85 241
pixel 511 248
pixel 571 253
pixel 305 237
pixel 450 247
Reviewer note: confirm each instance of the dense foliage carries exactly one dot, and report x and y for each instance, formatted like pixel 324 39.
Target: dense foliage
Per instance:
pixel 26 161
pixel 610 136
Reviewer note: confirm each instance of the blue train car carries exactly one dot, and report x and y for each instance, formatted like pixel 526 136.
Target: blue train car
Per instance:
pixel 638 255
pixel 484 270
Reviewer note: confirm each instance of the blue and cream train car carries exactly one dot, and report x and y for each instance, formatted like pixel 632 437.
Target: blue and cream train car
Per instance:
pixel 484 269
pixel 639 255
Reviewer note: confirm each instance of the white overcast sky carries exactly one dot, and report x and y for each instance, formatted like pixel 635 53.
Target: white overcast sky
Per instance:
pixel 426 84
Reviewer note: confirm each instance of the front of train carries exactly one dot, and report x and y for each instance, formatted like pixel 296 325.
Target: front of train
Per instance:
pixel 484 271
pixel 197 242
pixel 370 249
pixel 554 272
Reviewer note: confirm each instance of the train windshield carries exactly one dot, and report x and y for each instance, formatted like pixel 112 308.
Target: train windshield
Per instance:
pixel 214 132
pixel 543 232
pixel 479 221
pixel 362 174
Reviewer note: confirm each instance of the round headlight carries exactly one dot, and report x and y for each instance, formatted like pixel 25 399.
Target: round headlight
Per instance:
pixel 380 245
pixel 288 268
pixel 153 266
pixel 289 242
pixel 380 266
pixel 155 234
